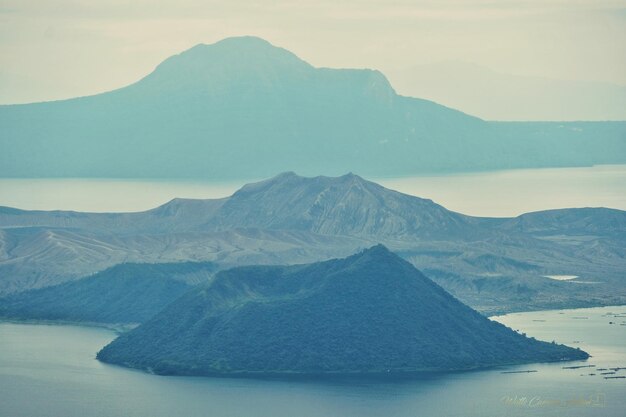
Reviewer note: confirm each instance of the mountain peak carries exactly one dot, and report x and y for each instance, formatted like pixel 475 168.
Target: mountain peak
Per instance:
pixel 246 41
pixel 284 178
pixel 286 175
pixel 290 179
pixel 351 177
pixel 237 44
pixel 379 256
pixel 378 250
pixel 227 60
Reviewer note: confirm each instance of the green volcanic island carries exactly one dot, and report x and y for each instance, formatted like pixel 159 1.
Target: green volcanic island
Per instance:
pixel 370 313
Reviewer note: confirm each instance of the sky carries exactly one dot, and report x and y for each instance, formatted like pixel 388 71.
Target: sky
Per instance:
pixel 66 48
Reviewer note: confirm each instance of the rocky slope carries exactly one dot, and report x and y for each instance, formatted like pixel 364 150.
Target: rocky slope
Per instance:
pixel 487 262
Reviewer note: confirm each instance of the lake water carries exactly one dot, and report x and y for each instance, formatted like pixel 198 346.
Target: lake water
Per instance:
pixel 498 193
pixel 51 371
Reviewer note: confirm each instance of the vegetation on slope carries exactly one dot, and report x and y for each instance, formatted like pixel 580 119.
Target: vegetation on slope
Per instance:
pixel 369 313
pixel 125 293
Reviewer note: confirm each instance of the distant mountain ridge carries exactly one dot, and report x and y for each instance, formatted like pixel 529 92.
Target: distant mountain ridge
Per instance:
pixel 486 262
pixel 243 108
pixel 370 313
pixel 123 294
pixel 347 205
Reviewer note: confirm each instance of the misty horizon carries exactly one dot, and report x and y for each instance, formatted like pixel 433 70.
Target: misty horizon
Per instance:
pixel 78 49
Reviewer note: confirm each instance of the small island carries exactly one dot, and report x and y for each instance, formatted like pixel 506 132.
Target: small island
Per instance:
pixel 371 313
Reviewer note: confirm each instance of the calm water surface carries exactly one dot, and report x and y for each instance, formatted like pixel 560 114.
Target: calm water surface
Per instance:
pixel 51 371
pixel 499 193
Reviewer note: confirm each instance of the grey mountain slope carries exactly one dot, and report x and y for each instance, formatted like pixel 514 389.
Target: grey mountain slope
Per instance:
pixel 581 221
pixel 36 258
pixel 242 108
pixel 368 313
pixel 346 205
pixel 125 293
pixel 176 215
pixel 488 263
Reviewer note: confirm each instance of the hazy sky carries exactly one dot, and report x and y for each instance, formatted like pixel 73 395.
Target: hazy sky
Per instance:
pixel 56 49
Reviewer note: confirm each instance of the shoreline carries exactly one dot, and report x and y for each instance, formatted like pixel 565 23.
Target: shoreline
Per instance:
pixel 117 328
pixel 493 316
pixel 378 375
